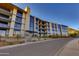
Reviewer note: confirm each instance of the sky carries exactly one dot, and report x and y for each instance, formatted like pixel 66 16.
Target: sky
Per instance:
pixel 61 13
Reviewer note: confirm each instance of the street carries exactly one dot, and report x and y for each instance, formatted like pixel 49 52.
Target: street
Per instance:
pixel 47 48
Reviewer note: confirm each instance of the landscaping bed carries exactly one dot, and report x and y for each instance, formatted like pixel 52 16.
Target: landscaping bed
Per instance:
pixel 4 43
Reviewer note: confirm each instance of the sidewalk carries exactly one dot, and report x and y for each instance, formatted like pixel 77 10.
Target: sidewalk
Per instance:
pixel 71 49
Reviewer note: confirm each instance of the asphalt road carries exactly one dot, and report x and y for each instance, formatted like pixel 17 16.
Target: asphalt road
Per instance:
pixel 48 48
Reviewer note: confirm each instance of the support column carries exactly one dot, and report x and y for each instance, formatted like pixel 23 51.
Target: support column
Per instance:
pixel 51 29
pixel 27 21
pixel 12 22
pixel 35 24
pixel 61 30
pixel 23 24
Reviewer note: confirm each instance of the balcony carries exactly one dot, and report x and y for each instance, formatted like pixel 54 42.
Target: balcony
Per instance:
pixel 37 22
pixel 4 19
pixel 4 25
pixel 17 21
pixel 40 24
pixel 17 27
pixel 3 11
pixel 44 24
pixel 45 28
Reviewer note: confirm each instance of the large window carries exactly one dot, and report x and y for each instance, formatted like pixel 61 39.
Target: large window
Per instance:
pixel 58 29
pixel 17 26
pixel 19 17
pixel 53 27
pixel 48 30
pixel 31 23
pixel 19 14
pixel 2 32
pixel 18 21
pixel 64 28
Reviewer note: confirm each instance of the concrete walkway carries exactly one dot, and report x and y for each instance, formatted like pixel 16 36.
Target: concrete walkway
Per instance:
pixel 70 49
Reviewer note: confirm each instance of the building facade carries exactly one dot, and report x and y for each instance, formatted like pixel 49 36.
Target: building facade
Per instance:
pixel 45 28
pixel 14 20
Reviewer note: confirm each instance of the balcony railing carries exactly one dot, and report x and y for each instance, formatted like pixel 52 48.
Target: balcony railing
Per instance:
pixel 40 23
pixel 18 21
pixel 4 18
pixel 3 11
pixel 4 25
pixel 19 28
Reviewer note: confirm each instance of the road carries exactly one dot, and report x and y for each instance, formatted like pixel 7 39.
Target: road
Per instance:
pixel 47 48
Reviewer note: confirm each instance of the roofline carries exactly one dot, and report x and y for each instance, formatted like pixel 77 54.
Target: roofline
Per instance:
pixel 17 7
pixel 47 21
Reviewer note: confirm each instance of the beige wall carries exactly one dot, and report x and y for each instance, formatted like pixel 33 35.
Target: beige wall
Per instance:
pixel 27 21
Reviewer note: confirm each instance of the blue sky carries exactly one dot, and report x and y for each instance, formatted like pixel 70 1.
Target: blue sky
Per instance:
pixel 67 14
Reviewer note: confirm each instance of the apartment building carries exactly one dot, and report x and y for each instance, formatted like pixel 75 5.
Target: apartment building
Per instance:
pixel 14 20
pixel 45 28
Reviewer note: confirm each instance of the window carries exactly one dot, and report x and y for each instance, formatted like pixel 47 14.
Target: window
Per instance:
pixel 18 19
pixel 64 28
pixel 17 26
pixel 2 32
pixel 48 30
pixel 31 23
pixel 59 27
pixel 53 26
pixel 19 14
